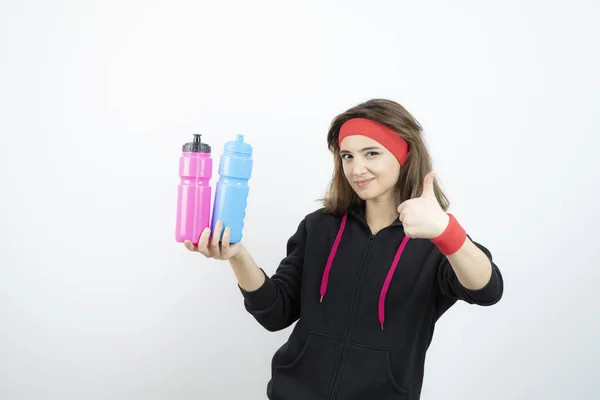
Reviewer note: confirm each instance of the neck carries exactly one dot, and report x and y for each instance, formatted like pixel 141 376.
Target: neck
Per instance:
pixel 380 213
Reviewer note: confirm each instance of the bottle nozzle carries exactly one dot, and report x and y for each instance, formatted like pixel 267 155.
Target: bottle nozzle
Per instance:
pixel 196 145
pixel 239 138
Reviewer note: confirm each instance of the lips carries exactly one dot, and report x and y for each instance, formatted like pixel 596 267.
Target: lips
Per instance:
pixel 364 182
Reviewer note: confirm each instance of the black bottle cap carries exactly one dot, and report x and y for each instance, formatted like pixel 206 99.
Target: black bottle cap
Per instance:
pixel 197 146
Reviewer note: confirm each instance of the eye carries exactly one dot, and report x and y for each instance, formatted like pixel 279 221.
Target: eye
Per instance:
pixel 372 153
pixel 346 156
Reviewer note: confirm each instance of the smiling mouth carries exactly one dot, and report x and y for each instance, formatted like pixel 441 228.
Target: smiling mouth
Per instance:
pixel 363 183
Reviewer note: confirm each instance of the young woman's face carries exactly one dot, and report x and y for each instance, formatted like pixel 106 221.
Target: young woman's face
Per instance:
pixel 370 168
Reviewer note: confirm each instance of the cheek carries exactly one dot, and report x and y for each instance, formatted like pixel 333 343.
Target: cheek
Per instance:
pixel 347 171
pixel 388 173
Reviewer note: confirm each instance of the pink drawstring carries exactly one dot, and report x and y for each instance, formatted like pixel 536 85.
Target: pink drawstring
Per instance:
pixel 336 243
pixel 388 280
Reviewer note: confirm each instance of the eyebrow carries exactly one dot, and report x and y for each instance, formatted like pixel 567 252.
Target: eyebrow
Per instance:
pixel 364 149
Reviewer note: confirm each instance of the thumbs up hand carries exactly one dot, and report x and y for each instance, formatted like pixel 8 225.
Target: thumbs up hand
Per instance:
pixel 423 217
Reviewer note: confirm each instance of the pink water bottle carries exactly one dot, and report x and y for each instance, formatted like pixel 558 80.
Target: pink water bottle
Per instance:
pixel 194 195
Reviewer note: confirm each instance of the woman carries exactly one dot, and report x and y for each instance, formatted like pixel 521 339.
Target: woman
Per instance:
pixel 367 276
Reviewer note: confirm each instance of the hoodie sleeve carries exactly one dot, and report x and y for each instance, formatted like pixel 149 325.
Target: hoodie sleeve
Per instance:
pixel 450 286
pixel 276 303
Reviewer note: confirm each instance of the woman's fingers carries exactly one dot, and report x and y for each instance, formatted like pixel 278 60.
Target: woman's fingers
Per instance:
pixel 189 245
pixel 213 246
pixel 214 243
pixel 203 242
pixel 225 243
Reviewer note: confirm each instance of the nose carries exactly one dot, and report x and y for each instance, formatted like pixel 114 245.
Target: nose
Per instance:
pixel 359 167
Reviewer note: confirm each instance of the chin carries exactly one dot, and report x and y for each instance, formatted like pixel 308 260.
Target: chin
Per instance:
pixel 374 192
pixel 366 194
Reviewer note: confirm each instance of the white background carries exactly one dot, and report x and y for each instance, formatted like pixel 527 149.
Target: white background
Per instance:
pixel 98 301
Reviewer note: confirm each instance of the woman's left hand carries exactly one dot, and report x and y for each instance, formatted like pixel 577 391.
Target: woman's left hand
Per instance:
pixel 423 217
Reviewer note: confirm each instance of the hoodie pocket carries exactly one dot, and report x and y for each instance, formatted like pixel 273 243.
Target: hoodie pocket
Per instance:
pixel 310 374
pixel 367 374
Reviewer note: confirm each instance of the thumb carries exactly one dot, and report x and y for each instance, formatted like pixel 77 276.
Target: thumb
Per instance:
pixel 401 207
pixel 428 185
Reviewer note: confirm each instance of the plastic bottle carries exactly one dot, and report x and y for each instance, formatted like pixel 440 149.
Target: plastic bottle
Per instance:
pixel 194 194
pixel 231 193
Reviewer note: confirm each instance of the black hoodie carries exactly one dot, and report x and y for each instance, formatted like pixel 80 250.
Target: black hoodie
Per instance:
pixel 366 307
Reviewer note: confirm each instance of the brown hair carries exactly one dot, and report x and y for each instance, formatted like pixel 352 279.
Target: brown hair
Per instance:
pixel 340 194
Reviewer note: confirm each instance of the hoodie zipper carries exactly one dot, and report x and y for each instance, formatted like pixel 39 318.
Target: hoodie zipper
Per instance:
pixel 357 289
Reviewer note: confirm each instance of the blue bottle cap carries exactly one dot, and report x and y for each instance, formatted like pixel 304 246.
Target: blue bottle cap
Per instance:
pixel 239 147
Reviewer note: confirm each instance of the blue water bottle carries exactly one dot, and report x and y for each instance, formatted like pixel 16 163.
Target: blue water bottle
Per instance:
pixel 231 193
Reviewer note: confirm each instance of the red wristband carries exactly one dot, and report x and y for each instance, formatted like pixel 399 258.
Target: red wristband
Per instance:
pixel 452 239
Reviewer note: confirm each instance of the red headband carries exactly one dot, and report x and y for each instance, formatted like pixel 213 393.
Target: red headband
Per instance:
pixel 376 131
